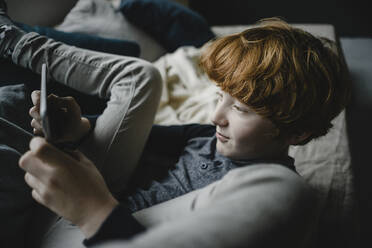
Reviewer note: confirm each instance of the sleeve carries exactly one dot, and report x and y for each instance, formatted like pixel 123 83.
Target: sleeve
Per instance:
pixel 259 206
pixel 119 225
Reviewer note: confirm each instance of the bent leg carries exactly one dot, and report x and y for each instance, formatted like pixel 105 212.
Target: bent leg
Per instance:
pixel 18 226
pixel 133 87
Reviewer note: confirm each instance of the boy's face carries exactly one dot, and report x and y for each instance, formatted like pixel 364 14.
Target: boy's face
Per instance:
pixel 243 134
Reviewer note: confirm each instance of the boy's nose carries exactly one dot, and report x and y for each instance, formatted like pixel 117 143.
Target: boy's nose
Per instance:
pixel 219 118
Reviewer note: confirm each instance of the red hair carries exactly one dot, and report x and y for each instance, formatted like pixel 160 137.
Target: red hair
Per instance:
pixel 283 73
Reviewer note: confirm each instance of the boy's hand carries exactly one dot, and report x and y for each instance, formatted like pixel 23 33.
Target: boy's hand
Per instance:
pixel 70 126
pixel 68 184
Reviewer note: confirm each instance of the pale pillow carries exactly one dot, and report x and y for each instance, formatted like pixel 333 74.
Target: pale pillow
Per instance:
pixel 98 17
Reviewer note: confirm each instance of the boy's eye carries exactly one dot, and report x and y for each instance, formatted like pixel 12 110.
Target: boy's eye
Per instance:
pixel 236 107
pixel 219 95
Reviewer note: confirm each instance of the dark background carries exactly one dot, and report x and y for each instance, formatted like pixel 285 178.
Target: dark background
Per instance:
pixel 350 18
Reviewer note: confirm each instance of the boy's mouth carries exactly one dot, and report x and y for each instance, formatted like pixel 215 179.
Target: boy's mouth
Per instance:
pixel 221 137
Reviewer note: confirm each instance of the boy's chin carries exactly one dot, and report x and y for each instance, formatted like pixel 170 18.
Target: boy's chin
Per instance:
pixel 228 152
pixel 224 150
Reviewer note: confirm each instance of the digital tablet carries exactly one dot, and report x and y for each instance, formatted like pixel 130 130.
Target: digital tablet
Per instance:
pixel 44 111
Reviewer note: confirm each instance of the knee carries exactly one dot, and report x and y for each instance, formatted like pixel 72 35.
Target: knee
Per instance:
pixel 136 79
pixel 152 73
pixel 148 81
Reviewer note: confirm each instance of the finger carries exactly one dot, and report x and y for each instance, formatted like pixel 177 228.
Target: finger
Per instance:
pixel 49 154
pixel 33 165
pixel 37 197
pixel 33 182
pixel 36 124
pixel 34 112
pixel 35 97
pixel 38 132
pixel 39 192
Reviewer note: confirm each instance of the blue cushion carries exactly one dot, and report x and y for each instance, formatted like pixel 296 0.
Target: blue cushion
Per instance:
pixel 170 23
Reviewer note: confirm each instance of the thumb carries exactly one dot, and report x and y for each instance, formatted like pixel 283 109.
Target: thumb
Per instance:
pixel 56 101
pixel 62 102
pixel 67 104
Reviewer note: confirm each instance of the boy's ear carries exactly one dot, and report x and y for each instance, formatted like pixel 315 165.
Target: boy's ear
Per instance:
pixel 298 138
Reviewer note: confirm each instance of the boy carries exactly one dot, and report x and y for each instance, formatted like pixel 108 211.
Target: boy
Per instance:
pixel 280 86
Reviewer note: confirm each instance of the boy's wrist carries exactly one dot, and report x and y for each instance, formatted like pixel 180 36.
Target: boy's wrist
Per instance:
pixel 90 226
